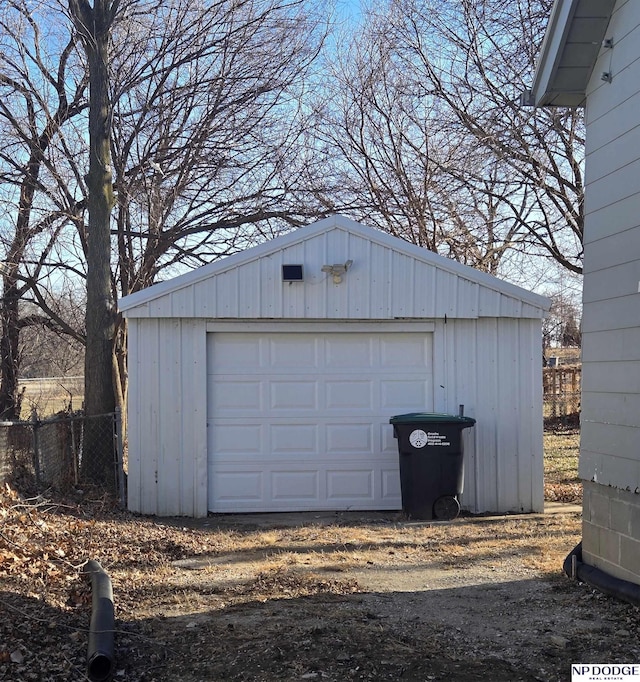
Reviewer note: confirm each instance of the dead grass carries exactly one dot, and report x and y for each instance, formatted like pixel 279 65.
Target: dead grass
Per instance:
pixel 309 560
pixel 48 396
pixel 49 541
pixel 561 449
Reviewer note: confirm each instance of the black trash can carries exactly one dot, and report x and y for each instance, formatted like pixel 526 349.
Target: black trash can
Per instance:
pixel 431 463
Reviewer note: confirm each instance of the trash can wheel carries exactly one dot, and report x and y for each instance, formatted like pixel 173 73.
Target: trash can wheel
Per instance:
pixel 446 508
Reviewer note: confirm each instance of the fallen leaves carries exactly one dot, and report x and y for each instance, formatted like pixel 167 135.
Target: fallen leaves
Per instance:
pixel 280 583
pixel 45 606
pixel 563 492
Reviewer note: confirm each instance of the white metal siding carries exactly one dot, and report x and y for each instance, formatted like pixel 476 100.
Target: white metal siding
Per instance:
pixel 494 368
pixel 388 279
pixel 611 340
pixel 419 289
pixel 167 417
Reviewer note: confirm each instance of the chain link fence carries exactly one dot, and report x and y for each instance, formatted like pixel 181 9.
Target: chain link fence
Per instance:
pixel 64 452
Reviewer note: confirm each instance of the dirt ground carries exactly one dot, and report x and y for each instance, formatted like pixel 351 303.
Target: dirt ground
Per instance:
pixel 326 597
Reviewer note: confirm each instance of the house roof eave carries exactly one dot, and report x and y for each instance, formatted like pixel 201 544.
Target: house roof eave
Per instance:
pixel 569 51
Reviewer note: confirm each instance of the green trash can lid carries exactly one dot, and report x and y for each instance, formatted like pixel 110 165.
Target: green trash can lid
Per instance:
pixel 432 418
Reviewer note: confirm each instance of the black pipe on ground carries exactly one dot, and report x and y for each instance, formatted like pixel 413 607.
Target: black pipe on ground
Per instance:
pixel 615 587
pixel 100 653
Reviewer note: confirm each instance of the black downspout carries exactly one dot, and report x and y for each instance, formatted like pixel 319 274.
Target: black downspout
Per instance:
pixel 615 587
pixel 100 656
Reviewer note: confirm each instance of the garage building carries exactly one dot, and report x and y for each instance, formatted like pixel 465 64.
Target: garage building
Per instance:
pixel 265 381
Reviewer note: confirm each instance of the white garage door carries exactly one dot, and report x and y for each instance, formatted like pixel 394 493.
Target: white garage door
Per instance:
pixel 300 421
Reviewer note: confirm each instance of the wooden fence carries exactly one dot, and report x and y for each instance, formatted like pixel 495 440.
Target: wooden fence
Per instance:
pixel 561 386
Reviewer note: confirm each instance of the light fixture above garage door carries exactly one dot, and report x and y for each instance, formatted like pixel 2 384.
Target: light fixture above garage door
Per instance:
pixel 337 270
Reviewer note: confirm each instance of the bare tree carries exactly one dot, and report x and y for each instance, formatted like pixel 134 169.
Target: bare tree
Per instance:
pixel 39 96
pixel 476 58
pixel 561 328
pixel 197 148
pixel 44 350
pixel 94 25
pixel 209 131
pixel 392 151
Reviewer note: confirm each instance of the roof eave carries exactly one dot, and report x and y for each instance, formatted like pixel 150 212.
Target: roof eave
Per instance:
pixel 554 37
pixel 569 52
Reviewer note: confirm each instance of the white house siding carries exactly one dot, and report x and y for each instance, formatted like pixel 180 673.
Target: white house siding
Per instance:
pixel 609 459
pixel 486 355
pixel 611 352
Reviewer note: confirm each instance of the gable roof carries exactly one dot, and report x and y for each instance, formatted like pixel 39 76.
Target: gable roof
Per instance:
pixel 569 51
pixel 385 269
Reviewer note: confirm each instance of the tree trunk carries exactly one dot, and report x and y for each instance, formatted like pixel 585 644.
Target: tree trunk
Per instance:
pixel 9 344
pixel 10 399
pixel 100 318
pixel 94 25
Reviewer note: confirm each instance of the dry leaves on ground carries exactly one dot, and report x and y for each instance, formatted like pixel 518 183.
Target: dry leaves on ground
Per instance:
pixel 286 597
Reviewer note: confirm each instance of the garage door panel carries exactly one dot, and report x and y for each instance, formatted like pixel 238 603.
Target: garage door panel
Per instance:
pixel 348 352
pixel 390 479
pixel 235 353
pixel 345 485
pixel 400 395
pixel 239 487
pixel 352 395
pixel 233 395
pixel 388 441
pixel 292 486
pixel 239 438
pixel 294 439
pixel 349 438
pixel 288 352
pixel 301 421
pixel 409 353
pixel 293 395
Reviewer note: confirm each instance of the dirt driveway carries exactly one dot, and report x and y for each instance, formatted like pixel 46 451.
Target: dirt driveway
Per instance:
pixel 317 597
pixel 374 597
